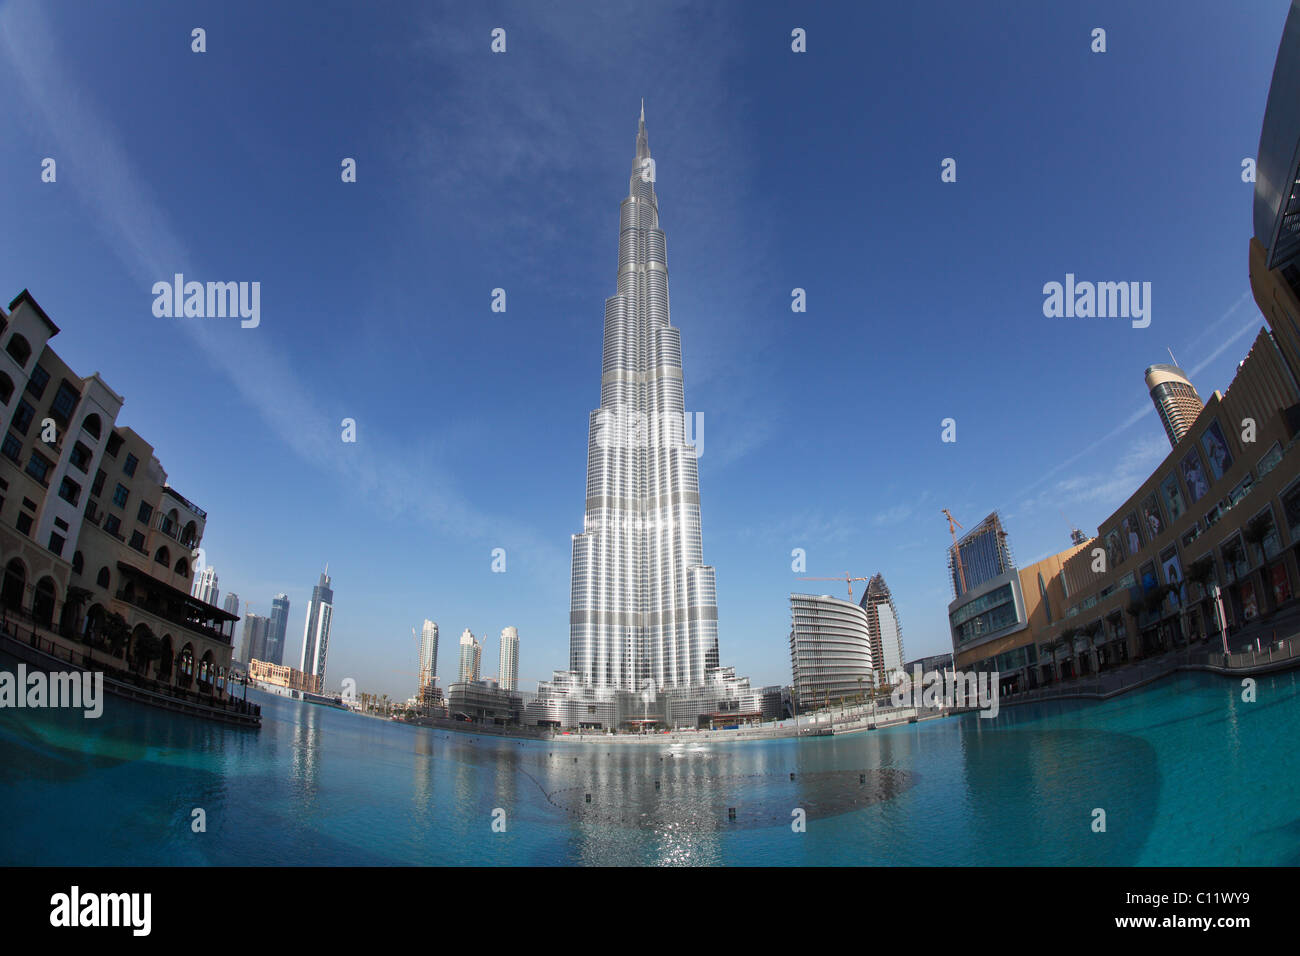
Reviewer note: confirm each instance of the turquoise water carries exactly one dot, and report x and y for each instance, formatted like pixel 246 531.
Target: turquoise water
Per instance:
pixel 1186 772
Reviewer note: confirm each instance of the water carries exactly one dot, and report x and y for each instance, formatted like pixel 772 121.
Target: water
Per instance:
pixel 1186 773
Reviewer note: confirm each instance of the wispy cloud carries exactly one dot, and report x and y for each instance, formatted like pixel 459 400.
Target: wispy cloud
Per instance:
pixel 151 248
pixel 1146 410
pixel 1104 488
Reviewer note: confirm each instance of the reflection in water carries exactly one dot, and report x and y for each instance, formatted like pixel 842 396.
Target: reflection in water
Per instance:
pixel 306 752
pixel 320 786
pixel 703 802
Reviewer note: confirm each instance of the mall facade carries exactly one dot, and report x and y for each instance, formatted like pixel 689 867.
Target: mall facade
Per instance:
pixel 1221 513
pixel 1210 542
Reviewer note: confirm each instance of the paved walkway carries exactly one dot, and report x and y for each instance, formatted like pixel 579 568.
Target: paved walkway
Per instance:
pixel 1274 652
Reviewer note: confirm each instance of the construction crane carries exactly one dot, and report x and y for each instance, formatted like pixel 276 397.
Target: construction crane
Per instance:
pixel 846 579
pixel 1076 536
pixel 953 525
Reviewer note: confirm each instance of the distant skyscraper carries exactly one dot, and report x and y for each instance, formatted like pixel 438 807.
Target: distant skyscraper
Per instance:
pixel 886 634
pixel 205 586
pixel 428 655
pixel 255 629
pixel 509 671
pixel 1175 398
pixel 277 628
pixel 231 606
pixel 316 632
pixel 471 654
pixel 982 554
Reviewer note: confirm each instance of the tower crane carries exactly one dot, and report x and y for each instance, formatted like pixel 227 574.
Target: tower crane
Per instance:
pixel 847 579
pixel 953 525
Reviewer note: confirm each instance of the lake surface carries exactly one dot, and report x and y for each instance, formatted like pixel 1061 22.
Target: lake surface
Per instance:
pixel 1186 772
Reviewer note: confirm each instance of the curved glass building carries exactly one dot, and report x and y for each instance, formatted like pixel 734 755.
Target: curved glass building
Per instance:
pixel 830 650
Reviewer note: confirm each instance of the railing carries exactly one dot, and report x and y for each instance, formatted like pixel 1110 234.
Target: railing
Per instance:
pixel 185 501
pixel 159 610
pixel 1277 651
pixel 84 658
pixel 1129 676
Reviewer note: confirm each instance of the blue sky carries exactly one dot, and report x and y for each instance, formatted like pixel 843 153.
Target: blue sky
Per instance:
pixel 775 170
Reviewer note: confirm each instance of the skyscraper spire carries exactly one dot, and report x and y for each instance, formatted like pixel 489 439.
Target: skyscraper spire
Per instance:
pixel 642 140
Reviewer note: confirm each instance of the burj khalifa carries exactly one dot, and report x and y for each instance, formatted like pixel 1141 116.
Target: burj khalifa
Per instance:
pixel 643 608
pixel 643 613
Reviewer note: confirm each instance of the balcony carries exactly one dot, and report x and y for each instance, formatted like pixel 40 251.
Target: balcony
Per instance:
pixel 195 509
pixel 165 612
pixel 165 526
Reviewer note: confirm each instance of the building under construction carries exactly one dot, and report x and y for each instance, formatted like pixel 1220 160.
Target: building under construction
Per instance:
pixel 980 555
pixel 885 629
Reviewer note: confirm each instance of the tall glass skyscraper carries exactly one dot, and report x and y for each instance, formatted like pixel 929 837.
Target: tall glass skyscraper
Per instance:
pixel 205 586
pixel 231 606
pixel 471 657
pixel 643 609
pixel 316 633
pixel 509 666
pixel 255 636
pixel 428 655
pixel 277 629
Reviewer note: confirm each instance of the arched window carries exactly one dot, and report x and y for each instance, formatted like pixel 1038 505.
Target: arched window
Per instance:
pixel 92 425
pixel 43 602
pixel 183 568
pixel 15 584
pixel 6 388
pixel 103 579
pixel 163 557
pixel 19 348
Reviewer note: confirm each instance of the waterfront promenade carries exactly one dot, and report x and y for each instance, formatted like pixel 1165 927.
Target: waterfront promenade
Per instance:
pixel 850 718
pixel 1260 651
pixel 41 650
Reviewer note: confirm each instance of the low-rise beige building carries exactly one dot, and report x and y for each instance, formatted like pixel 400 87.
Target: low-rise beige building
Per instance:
pixel 91 533
pixel 282 675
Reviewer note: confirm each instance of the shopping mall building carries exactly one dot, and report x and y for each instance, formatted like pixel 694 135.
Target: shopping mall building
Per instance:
pixel 1208 544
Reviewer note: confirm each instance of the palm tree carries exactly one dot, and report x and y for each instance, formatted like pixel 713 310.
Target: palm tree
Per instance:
pixel 148 648
pixel 1200 574
pixel 116 633
pixel 1257 529
pixel 1066 639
